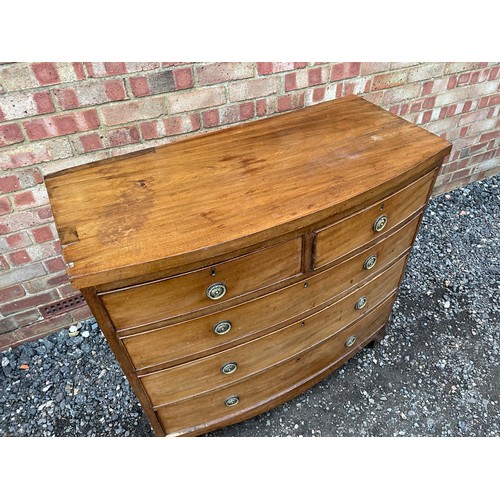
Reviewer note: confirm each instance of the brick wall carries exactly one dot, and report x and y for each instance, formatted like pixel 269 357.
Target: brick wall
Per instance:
pixel 58 115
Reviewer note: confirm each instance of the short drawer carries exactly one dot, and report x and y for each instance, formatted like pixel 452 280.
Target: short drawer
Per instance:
pixel 277 384
pixel 201 336
pixel 359 229
pixel 144 304
pixel 233 364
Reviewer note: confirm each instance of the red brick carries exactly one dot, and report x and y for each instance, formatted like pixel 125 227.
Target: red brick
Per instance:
pixel 139 86
pixel 9 183
pixel 290 101
pixel 426 118
pixel 115 68
pixel 319 94
pixel 265 68
pixel 183 78
pixel 210 118
pixel 452 82
pixel 67 99
pixel 10 134
pixel 429 102
pixel 81 313
pixel 427 88
pixel 91 142
pixel 489 135
pixel 66 291
pixel 19 258
pixel 79 71
pixel 29 302
pixel 176 125
pixel 115 91
pixel 416 106
pixel 124 135
pixel 17 240
pixel 22 200
pixel 43 102
pixel 464 78
pixel 261 107
pixel 467 106
pixel 149 130
pixel 299 65
pixel 46 73
pixel 290 81
pixel 494 100
pixel 18 320
pixel 345 70
pixel 58 125
pixel 247 110
pixel 3 263
pixel 44 213
pixel 315 76
pixel 11 293
pixel 42 234
pixel 55 265
pixel 494 73
pixel 40 329
pixel 5 207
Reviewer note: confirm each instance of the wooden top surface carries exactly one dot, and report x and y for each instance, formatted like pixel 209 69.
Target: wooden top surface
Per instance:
pixel 195 198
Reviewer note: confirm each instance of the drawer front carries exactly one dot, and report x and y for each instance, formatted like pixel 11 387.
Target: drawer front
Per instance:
pixel 196 337
pixel 233 364
pixel 144 304
pixel 273 384
pixel 359 229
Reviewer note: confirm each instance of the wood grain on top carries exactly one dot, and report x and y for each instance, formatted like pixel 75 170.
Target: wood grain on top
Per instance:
pixel 207 195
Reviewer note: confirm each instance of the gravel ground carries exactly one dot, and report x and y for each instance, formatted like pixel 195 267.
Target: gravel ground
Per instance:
pixel 436 372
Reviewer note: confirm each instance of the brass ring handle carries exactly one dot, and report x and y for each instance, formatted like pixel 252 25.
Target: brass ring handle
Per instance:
pixel 232 401
pixel 370 262
pixel 216 291
pixel 380 223
pixel 229 368
pixel 222 327
pixel 360 303
pixel 350 341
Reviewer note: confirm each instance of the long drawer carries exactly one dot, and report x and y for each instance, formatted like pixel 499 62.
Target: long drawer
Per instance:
pixel 279 383
pixel 147 303
pixel 359 229
pixel 190 339
pixel 223 368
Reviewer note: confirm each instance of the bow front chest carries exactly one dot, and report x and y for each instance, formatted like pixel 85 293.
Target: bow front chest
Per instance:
pixel 232 271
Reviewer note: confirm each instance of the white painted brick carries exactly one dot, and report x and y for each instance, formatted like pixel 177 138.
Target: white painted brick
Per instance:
pixel 18 105
pixel 425 71
pixel 451 96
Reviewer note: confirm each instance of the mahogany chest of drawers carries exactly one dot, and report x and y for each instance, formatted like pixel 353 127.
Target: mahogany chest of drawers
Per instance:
pixel 232 271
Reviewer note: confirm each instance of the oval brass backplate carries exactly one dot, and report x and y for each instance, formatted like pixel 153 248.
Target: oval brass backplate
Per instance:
pixel 216 291
pixel 370 262
pixel 360 303
pixel 380 223
pixel 222 327
pixel 228 368
pixel 232 401
pixel 350 341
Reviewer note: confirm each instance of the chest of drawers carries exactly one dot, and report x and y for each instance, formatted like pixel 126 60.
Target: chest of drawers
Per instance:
pixel 232 271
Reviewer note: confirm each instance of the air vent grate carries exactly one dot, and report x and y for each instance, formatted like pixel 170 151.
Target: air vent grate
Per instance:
pixel 63 305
